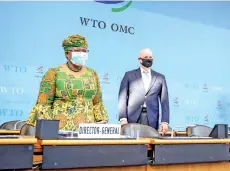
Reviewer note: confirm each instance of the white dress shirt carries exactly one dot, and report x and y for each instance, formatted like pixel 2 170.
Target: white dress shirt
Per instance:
pixel 146 77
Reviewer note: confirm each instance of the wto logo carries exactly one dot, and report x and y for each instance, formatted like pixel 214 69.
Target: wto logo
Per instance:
pixel 206 119
pixel 39 72
pixel 176 102
pixel 192 119
pixel 116 2
pixel 205 88
pixel 191 86
pixel 11 90
pixel 219 105
pixel 217 88
pixel 13 68
pixel 190 102
pixel 11 112
pixel 106 78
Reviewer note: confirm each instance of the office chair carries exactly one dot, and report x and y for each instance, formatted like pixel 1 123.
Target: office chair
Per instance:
pixel 28 130
pixel 9 125
pixel 19 125
pixel 145 131
pixel 198 131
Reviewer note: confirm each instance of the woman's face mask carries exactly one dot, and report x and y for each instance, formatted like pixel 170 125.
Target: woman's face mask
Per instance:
pixel 79 58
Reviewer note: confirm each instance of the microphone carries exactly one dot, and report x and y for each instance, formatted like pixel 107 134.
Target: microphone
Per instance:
pixel 72 133
pixel 182 126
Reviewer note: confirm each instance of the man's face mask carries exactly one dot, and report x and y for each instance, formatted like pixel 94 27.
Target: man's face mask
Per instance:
pixel 146 62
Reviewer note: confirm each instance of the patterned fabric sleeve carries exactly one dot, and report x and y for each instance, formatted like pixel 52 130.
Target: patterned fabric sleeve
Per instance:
pixel 43 106
pixel 99 110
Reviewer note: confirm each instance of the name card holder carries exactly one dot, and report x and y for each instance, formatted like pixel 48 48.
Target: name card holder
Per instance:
pixel 47 129
pixel 99 131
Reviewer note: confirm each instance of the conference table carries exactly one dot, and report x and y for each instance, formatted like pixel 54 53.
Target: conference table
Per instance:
pixel 17 132
pixel 143 154
pixel 129 155
pixel 9 132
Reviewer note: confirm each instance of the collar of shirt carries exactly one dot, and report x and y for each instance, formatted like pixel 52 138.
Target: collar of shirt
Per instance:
pixel 142 70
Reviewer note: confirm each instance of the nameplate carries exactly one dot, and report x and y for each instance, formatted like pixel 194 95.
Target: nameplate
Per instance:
pixel 99 131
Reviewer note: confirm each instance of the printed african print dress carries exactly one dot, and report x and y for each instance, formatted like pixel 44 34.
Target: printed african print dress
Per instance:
pixel 70 98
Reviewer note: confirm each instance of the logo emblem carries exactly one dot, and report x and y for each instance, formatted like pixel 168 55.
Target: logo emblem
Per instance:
pixel 205 88
pixel 206 119
pixel 106 78
pixel 120 9
pixel 39 72
pixel 219 105
pixel 176 102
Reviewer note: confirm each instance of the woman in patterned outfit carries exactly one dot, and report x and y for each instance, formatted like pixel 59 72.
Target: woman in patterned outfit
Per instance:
pixel 70 92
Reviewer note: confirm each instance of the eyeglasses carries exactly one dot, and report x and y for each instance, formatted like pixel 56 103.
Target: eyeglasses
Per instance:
pixel 79 50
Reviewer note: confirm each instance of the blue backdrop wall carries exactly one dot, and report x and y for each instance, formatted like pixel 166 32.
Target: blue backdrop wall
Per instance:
pixel 190 48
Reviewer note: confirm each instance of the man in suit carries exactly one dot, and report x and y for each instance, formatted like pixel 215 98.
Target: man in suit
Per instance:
pixel 141 90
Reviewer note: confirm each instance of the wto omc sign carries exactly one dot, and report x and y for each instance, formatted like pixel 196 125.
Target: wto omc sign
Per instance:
pixel 122 8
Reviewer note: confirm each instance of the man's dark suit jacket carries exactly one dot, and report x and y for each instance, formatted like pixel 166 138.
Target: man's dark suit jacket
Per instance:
pixel 132 96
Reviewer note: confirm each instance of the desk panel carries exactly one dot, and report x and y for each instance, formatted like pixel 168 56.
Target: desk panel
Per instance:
pixel 126 168
pixel 222 166
pixel 86 156
pixel 190 153
pixel 16 156
pixel 94 142
pixel 17 153
pixel 175 151
pixel 190 141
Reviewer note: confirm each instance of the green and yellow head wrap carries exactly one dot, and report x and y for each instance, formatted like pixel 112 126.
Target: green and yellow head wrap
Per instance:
pixel 74 40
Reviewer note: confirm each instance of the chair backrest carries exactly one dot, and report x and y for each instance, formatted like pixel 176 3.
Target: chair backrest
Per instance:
pixel 9 125
pixel 19 124
pixel 198 131
pixel 144 130
pixel 28 130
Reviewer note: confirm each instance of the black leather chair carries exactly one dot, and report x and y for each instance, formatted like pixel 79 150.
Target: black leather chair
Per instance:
pixel 9 125
pixel 144 130
pixel 27 130
pixel 198 131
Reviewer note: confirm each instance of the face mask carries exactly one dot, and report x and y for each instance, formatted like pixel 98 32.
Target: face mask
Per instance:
pixel 147 62
pixel 79 58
